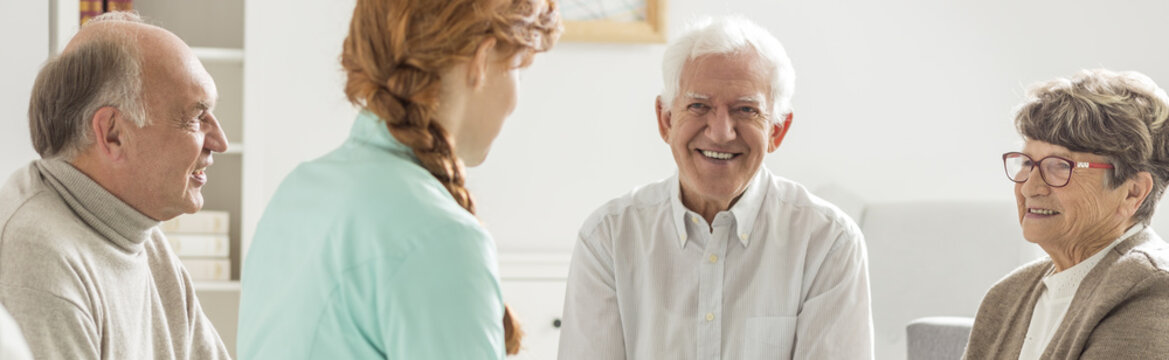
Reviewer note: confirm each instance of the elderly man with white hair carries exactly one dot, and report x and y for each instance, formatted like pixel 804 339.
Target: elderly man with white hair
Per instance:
pixel 724 260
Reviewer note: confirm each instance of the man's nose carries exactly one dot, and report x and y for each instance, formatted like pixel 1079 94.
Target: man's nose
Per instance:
pixel 720 127
pixel 216 139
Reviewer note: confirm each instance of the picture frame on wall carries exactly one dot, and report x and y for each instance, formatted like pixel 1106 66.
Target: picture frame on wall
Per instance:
pixel 622 21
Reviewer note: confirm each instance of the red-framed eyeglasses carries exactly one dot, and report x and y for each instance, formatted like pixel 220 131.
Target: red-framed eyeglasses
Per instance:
pixel 1056 171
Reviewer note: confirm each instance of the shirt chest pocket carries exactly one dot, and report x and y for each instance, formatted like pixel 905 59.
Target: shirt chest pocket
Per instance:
pixel 770 337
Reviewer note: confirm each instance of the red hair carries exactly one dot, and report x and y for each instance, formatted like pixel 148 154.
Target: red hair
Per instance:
pixel 394 55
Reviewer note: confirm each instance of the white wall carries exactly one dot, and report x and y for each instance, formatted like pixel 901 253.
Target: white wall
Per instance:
pixel 896 100
pixel 902 99
pixel 905 99
pixel 24 51
pixel 295 107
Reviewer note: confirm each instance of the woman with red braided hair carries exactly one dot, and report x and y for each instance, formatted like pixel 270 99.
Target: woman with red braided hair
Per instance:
pixel 374 250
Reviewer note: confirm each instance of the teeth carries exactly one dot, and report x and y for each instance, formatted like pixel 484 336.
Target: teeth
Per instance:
pixel 717 155
pixel 199 171
pixel 1043 211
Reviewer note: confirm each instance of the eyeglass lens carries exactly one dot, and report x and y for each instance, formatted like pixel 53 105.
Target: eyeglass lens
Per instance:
pixel 1055 171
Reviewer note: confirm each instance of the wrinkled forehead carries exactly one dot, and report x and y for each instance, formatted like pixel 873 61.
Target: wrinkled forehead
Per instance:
pixel 740 75
pixel 169 66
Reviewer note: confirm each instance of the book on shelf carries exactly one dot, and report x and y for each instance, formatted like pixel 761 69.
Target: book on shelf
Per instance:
pixel 90 9
pixel 208 269
pixel 203 222
pixel 119 5
pixel 199 245
pixel 202 244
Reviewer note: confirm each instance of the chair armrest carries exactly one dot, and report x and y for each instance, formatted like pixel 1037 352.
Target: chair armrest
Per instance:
pixel 938 338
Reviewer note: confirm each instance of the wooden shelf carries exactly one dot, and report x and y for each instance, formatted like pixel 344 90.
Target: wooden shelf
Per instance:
pixel 222 55
pixel 235 148
pixel 217 286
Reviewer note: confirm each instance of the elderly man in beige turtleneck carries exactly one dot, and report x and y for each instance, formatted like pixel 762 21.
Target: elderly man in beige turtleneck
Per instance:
pixel 122 120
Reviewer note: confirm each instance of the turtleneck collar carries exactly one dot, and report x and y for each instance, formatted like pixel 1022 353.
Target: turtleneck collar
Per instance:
pixel 117 221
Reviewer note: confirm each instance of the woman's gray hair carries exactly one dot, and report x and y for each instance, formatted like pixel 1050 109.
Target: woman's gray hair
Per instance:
pixel 726 35
pixel 70 88
pixel 1122 116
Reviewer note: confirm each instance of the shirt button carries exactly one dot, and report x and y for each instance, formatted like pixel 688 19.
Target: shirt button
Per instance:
pixel 709 316
pixel 694 219
pixel 743 236
pixel 714 258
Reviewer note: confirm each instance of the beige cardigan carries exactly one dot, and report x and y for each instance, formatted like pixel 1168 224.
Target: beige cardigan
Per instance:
pixel 1120 311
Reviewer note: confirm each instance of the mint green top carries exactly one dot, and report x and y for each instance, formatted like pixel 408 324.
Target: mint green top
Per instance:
pixel 362 254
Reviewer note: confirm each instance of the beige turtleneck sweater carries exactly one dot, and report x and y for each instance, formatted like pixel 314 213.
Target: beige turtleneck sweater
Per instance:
pixel 86 276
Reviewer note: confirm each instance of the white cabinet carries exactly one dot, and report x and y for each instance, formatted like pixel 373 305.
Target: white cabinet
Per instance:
pixel 537 304
pixel 222 308
pixel 533 285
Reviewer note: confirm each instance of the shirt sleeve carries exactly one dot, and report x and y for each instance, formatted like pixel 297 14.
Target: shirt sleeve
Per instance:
pixel 591 327
pixel 444 301
pixel 836 319
pixel 54 327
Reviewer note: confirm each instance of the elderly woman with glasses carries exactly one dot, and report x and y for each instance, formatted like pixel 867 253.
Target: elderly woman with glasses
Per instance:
pixel 1094 163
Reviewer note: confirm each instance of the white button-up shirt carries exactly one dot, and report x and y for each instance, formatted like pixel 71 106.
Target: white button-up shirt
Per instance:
pixel 781 275
pixel 1058 291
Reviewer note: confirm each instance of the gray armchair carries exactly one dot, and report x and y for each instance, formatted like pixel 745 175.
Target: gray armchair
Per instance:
pixel 938 338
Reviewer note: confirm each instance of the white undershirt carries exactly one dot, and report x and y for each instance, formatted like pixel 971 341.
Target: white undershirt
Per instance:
pixel 1059 290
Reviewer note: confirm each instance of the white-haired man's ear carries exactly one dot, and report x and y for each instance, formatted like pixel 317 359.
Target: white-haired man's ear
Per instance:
pixel 109 132
pixel 778 131
pixel 663 116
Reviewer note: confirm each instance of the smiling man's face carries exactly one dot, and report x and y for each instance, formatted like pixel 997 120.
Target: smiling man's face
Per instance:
pixel 166 158
pixel 719 127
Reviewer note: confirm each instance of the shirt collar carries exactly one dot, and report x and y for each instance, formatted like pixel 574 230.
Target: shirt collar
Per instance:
pixel 745 211
pixel 371 130
pixel 1065 283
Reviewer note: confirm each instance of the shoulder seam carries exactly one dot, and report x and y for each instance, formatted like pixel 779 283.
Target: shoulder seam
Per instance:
pixel 835 217
pixel 4 226
pixel 608 210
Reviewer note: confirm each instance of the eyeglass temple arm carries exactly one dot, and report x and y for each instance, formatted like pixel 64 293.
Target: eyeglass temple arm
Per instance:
pixel 1085 164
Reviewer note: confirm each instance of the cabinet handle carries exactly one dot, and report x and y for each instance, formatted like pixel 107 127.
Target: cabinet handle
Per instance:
pixel 556 323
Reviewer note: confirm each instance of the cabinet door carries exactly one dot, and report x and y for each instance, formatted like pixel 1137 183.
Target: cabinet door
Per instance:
pixel 222 308
pixel 537 304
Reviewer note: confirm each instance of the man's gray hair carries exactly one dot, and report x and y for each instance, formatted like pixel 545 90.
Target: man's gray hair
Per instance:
pixel 71 87
pixel 727 35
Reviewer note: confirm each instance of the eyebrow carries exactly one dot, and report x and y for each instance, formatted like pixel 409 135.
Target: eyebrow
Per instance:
pixel 203 105
pixel 751 99
pixel 697 96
